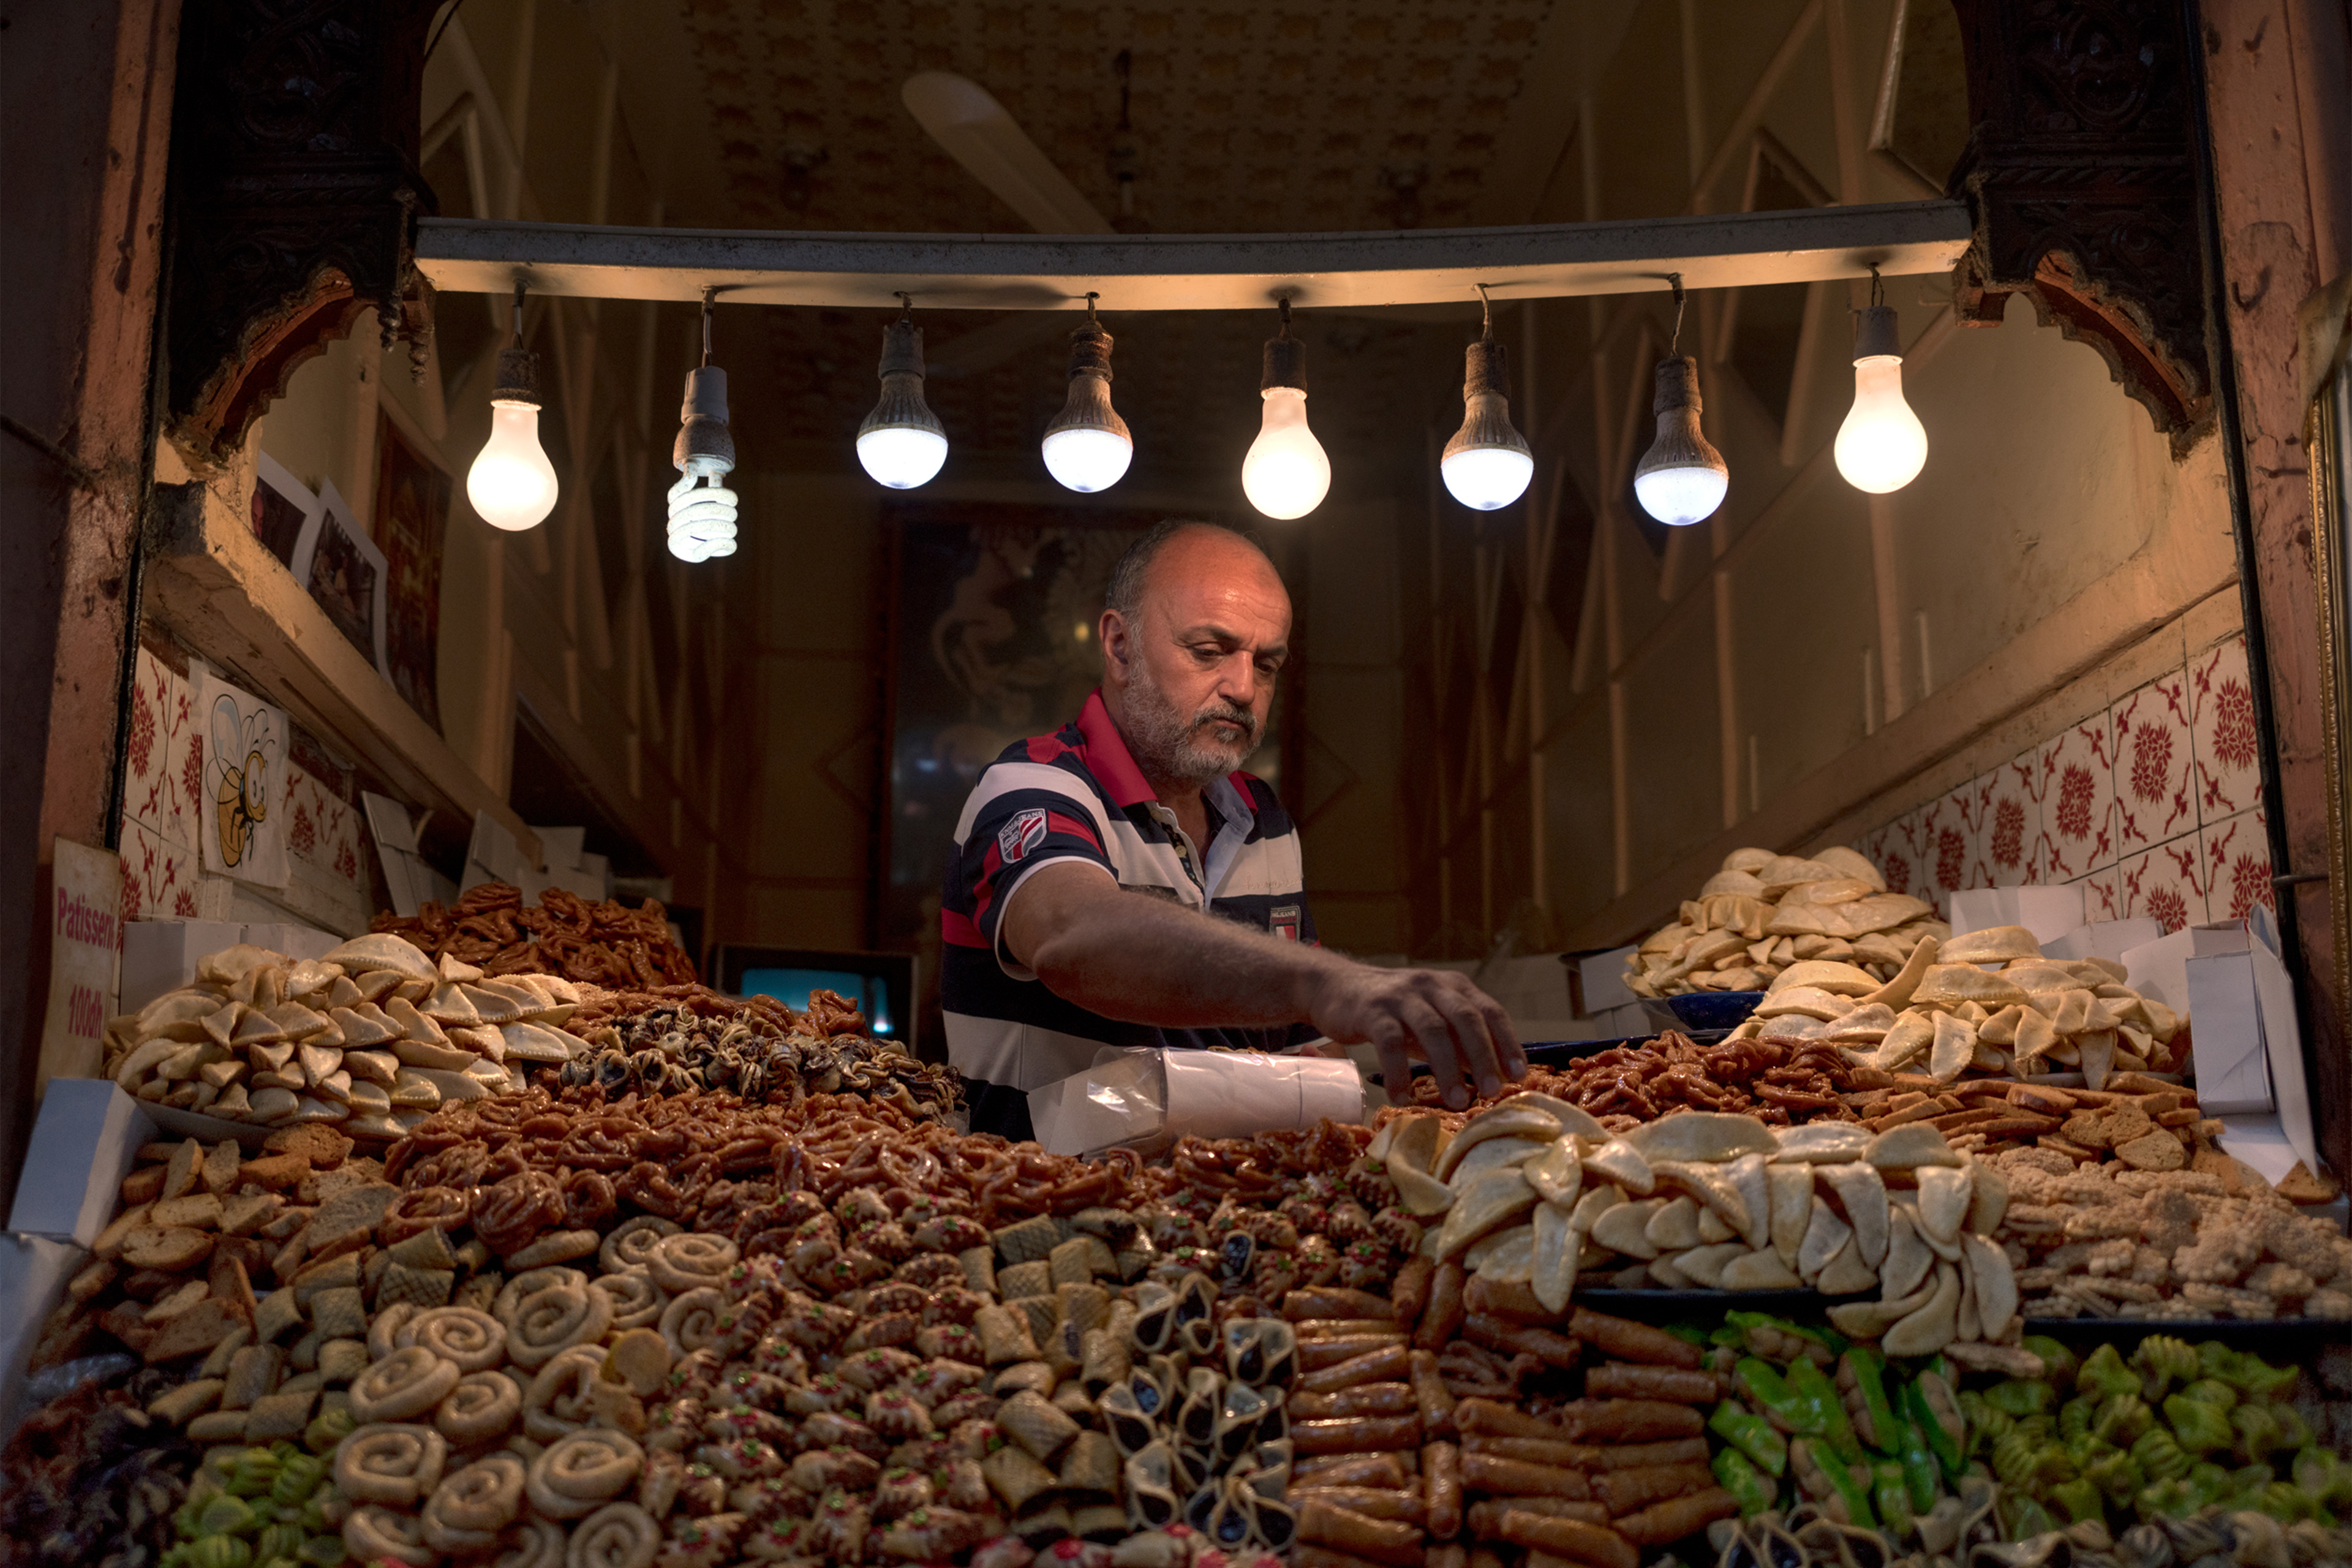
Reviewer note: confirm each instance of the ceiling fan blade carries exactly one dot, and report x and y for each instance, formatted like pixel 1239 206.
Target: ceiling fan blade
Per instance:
pixel 963 118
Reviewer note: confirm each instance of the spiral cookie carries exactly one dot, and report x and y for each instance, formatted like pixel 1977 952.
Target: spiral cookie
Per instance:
pixel 532 1543
pixel 552 1321
pixel 482 1405
pixel 373 1532
pixel 467 1510
pixel 510 1294
pixel 618 1535
pixel 632 1243
pixel 560 1399
pixel 420 1209
pixel 690 1261
pixel 579 1472
pixel 405 1384
pixel 389 1463
pixel 691 1321
pixel 509 1213
pixel 383 1329
pixel 467 1335
pixel 636 1300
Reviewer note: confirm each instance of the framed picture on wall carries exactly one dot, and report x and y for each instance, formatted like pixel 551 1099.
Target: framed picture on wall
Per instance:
pixel 342 570
pixel 412 517
pixel 284 510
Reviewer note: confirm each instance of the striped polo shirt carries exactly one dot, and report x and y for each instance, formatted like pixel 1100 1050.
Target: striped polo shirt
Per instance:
pixel 1077 794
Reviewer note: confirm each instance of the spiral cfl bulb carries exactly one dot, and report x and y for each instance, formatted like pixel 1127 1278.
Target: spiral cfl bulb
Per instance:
pixel 1881 445
pixel 702 510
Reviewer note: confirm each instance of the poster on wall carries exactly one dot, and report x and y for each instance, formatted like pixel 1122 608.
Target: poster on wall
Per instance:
pixel 85 958
pixel 241 814
pixel 284 511
pixel 342 570
pixel 412 517
pixel 995 614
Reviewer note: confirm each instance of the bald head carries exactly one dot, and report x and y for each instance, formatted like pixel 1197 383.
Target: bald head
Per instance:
pixel 1195 627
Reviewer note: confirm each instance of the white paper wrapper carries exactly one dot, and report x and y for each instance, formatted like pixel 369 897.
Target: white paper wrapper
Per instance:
pixel 1146 1100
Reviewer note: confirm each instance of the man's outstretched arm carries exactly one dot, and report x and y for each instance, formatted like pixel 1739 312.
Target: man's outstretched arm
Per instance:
pixel 1145 961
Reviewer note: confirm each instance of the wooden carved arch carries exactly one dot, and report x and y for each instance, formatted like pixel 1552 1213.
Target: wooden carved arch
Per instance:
pixel 2082 175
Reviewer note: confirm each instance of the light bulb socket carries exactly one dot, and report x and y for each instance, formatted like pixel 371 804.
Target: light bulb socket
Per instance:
pixel 901 405
pixel 1285 363
pixel 1088 406
pixel 1876 334
pixel 517 380
pixel 1486 402
pixel 1680 443
pixel 1090 350
pixel 703 432
pixel 902 350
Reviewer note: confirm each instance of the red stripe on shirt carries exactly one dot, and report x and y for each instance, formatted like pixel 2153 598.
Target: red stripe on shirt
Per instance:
pixel 959 931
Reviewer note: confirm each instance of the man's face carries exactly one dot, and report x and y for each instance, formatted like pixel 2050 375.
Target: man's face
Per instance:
pixel 1191 676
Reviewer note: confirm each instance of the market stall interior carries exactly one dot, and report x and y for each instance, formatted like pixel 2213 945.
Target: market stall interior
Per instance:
pixel 1778 602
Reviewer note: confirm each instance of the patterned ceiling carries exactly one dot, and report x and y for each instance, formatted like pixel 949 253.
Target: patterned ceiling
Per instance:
pixel 1248 115
pixel 1245 115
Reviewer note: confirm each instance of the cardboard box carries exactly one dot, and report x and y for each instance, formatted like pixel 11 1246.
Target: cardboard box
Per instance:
pixel 84 1142
pixel 2049 913
pixel 2104 939
pixel 1146 1100
pixel 296 941
pixel 162 955
pixel 2233 1075
pixel 33 1272
pixel 1600 980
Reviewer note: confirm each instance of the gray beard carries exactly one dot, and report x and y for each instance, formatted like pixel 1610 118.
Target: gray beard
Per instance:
pixel 1170 745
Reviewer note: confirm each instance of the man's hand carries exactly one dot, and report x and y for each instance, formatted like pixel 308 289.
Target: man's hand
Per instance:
pixel 1147 961
pixel 1435 1015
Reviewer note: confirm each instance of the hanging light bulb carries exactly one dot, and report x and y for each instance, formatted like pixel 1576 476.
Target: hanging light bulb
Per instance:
pixel 1086 447
pixel 1681 479
pixel 702 511
pixel 1881 445
pixel 1286 474
pixel 902 443
pixel 1487 463
pixel 511 484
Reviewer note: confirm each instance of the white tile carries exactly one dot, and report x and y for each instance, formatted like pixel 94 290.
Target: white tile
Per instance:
pixel 2235 857
pixel 2222 721
pixel 2156 789
pixel 2077 774
pixel 2166 884
pixel 2009 831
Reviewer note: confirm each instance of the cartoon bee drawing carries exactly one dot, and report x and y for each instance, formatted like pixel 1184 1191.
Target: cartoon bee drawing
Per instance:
pixel 236 772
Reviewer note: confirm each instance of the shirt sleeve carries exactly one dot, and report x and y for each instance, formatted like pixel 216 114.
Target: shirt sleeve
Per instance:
pixel 1014 833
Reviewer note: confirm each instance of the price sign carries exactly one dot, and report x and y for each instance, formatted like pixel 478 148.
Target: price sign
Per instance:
pixel 85 916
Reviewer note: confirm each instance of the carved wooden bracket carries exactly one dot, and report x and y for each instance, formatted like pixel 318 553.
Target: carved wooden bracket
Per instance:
pixel 2079 170
pixel 295 195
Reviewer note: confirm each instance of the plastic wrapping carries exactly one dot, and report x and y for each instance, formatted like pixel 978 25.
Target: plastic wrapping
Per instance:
pixel 1146 1100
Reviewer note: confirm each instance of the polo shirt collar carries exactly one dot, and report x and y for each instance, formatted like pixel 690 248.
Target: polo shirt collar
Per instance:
pixel 1107 756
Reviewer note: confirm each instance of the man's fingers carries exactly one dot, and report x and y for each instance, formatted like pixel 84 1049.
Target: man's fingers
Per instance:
pixel 1396 1067
pixel 1472 1037
pixel 1430 1032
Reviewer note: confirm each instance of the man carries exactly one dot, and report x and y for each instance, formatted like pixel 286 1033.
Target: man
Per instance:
pixel 1119 881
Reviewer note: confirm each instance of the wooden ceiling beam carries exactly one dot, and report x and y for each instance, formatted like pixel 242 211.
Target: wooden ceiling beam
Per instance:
pixel 1191 272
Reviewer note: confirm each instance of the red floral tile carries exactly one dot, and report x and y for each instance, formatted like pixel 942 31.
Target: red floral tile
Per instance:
pixel 2166 884
pixel 159 879
pixel 1901 856
pixel 2077 784
pixel 2010 822
pixel 2235 856
pixel 1946 836
pixel 2155 787
pixel 322 830
pixel 2222 721
pixel 2102 895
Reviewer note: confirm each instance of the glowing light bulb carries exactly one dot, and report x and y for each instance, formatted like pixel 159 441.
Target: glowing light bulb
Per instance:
pixel 1286 473
pixel 1881 445
pixel 511 484
pixel 1681 479
pixel 902 443
pixel 1087 447
pixel 1486 464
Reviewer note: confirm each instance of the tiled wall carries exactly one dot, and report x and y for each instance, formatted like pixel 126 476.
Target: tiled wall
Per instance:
pixel 2150 804
pixel 162 804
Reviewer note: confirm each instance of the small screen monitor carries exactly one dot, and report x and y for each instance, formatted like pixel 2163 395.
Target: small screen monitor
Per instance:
pixel 881 985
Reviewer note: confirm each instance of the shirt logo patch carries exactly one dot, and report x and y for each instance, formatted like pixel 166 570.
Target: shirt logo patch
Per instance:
pixel 1020 835
pixel 1283 921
